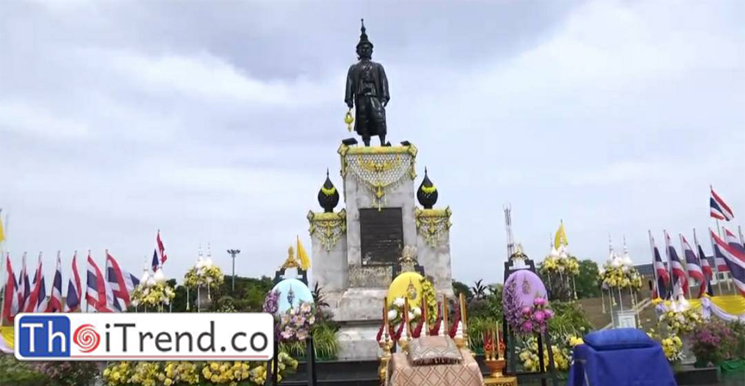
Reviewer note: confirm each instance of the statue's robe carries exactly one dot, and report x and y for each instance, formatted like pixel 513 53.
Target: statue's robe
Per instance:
pixel 367 87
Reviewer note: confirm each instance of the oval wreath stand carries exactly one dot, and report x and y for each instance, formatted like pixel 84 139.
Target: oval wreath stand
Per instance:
pixel 546 370
pixel 310 356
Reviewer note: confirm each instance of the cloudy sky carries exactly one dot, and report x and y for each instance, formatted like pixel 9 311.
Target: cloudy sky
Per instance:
pixel 215 121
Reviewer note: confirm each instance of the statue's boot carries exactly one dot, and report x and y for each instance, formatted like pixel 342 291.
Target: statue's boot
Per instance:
pixel 366 140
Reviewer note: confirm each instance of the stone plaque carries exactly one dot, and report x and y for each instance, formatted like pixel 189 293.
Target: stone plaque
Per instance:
pixel 382 235
pixel 370 276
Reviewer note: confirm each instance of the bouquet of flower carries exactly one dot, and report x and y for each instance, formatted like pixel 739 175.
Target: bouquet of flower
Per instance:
pixel 566 265
pixel 295 324
pixel 535 319
pixel 679 321
pixel 204 274
pixel 396 313
pixel 152 295
pixel 530 360
pixel 616 275
pixel 671 343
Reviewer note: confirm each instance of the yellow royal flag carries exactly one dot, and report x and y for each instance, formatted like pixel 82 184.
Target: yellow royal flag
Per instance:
pixel 2 231
pixel 302 255
pixel 561 237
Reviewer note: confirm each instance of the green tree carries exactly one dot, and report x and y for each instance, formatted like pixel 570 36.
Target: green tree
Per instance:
pixel 587 280
pixel 462 288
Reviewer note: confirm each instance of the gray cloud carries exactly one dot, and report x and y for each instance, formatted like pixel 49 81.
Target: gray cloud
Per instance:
pixel 215 121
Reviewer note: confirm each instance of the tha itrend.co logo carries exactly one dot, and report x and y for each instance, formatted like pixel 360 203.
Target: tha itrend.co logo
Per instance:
pixel 246 337
pixel 86 338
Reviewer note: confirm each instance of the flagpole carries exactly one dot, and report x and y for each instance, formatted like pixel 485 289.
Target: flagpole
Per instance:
pixel 3 283
pixel 701 262
pixel 3 257
pixel 654 264
pixel 716 265
pixel 87 265
pixel 729 280
pixel 685 265
pixel 669 263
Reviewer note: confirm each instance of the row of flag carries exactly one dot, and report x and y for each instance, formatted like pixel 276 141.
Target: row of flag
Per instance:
pixel 105 291
pixel 728 253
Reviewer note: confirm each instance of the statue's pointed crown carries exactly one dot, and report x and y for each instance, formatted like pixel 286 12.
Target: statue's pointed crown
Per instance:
pixel 363 35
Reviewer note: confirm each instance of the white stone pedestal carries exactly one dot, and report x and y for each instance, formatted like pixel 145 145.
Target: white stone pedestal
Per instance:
pixel 374 178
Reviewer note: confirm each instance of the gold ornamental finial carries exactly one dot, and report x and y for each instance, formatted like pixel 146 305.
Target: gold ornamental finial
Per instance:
pixel 408 259
pixel 291 262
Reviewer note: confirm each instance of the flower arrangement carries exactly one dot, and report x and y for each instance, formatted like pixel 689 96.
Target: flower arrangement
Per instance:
pixel 530 360
pixel 69 373
pixel 430 299
pixel 152 295
pixel 713 342
pixel 396 313
pixel 526 319
pixel 188 373
pixel 204 274
pixel 271 302
pixel 295 324
pixel 671 343
pixel 679 320
pixel 561 264
pixel 614 274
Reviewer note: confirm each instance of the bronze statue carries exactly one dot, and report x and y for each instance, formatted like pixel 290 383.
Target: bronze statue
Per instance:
pixel 367 89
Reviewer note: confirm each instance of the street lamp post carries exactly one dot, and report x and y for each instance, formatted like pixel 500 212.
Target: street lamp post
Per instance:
pixel 232 253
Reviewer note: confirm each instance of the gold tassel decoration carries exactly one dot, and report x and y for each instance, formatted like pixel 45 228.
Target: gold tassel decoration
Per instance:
pixel 348 119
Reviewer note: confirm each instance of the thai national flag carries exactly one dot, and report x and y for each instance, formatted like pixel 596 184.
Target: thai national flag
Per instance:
pixel 678 270
pixel 24 286
pixel 663 278
pixel 37 300
pixel 161 249
pixel 719 209
pixel 96 291
pixel 731 239
pixel 719 260
pixel 10 304
pixel 155 264
pixel 693 265
pixel 55 298
pixel 74 289
pixel 705 266
pixel 735 259
pixel 121 282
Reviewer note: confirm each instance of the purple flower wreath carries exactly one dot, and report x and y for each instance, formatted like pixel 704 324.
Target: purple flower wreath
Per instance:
pixel 526 319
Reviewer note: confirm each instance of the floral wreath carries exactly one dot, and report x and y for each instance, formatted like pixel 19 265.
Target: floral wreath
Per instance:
pixel 526 319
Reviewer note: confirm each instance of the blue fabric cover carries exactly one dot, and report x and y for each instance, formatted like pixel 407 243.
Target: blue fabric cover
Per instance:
pixel 646 366
pixel 618 339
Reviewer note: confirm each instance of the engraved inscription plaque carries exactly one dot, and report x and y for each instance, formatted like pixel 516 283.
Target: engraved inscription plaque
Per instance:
pixel 382 235
pixel 370 276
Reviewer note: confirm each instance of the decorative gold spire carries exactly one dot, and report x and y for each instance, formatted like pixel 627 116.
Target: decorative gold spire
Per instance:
pixel 291 262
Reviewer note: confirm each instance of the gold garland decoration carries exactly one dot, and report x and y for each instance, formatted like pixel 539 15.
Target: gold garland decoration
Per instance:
pixel 429 189
pixel 432 224
pixel 328 192
pixel 328 227
pixel 379 168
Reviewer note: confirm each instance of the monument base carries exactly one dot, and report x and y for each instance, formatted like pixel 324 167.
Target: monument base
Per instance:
pixel 357 341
